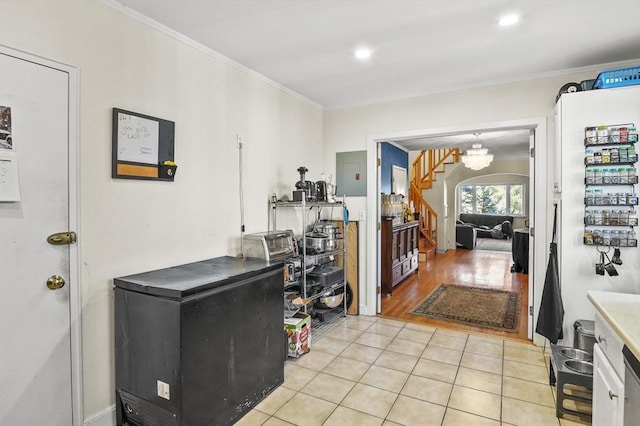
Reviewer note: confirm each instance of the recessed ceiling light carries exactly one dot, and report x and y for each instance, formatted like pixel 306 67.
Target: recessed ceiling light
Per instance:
pixel 363 53
pixel 508 20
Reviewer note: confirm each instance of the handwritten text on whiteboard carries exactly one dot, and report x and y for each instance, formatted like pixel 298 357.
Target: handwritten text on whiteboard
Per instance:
pixel 137 139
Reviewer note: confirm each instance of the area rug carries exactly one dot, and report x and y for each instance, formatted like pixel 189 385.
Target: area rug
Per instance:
pixel 480 307
pixel 493 244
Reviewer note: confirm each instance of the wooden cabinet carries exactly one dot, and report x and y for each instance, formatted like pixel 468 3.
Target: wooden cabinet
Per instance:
pixel 399 252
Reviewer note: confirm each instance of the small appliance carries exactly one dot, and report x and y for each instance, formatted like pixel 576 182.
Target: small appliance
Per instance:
pixel 321 191
pixel 306 189
pixel 274 246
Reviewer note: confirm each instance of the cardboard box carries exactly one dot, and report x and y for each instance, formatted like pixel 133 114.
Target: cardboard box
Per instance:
pixel 297 300
pixel 298 329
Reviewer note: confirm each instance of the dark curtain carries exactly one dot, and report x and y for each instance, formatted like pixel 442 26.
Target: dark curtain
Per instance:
pixel 551 312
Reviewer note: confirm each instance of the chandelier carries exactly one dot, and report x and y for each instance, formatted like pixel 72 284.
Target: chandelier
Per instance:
pixel 477 157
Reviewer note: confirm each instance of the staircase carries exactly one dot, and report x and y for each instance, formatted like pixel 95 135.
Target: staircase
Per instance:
pixel 424 172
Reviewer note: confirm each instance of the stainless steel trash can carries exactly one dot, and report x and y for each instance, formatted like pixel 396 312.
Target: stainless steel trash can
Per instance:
pixel 584 335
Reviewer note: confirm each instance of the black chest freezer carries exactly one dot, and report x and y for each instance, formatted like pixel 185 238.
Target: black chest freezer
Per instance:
pixel 198 344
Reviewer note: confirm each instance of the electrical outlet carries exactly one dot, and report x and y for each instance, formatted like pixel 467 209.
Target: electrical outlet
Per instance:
pixel 163 390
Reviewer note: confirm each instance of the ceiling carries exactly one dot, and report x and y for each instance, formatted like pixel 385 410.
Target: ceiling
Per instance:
pixel 419 46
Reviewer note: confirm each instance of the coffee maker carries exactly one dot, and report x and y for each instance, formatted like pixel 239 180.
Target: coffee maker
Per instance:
pixel 321 191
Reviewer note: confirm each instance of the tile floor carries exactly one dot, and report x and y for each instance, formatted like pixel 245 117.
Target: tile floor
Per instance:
pixel 376 371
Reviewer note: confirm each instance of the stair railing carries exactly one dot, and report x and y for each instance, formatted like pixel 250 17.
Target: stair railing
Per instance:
pixel 427 218
pixel 425 168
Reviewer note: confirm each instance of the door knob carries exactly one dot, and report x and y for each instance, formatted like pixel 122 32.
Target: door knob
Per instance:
pixel 55 282
pixel 61 238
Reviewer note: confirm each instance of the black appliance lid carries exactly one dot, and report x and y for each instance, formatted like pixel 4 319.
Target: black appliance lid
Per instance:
pixel 192 278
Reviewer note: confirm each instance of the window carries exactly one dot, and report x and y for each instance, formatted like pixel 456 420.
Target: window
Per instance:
pixel 492 199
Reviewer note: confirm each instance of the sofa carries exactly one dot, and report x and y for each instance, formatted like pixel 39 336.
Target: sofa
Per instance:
pixel 466 236
pixel 487 225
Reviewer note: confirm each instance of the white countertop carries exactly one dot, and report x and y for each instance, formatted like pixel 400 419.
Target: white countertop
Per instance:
pixel 622 312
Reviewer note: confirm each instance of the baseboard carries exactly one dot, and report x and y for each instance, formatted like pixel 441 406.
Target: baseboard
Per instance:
pixel 364 311
pixel 106 417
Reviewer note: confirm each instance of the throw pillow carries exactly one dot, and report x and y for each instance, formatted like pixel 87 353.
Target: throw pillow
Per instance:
pixel 507 229
pixel 496 232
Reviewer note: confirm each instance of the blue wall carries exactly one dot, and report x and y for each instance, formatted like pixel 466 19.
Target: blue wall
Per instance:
pixel 391 156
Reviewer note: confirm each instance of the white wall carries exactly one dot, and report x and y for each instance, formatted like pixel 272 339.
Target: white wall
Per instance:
pixel 130 226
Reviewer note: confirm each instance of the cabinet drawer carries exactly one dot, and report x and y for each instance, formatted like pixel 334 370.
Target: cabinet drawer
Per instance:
pixel 396 272
pixel 609 343
pixel 414 262
pixel 406 267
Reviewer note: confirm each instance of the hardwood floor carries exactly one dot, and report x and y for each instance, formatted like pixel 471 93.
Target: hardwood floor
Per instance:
pixel 462 267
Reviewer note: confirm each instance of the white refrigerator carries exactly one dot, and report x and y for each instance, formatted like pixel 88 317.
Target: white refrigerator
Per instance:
pixel 574 113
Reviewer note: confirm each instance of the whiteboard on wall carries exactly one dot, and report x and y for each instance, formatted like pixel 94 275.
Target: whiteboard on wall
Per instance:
pixel 141 146
pixel 138 139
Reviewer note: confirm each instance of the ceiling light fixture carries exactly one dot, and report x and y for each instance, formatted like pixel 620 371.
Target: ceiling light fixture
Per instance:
pixel 363 53
pixel 508 20
pixel 477 157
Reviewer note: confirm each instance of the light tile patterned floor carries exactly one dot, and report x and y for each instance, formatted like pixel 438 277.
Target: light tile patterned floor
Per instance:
pixel 375 371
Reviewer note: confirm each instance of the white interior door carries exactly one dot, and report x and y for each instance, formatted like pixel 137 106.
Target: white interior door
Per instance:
pixel 532 241
pixel 378 276
pixel 35 353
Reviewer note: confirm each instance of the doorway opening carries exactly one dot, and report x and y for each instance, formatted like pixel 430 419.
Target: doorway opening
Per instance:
pixel 537 199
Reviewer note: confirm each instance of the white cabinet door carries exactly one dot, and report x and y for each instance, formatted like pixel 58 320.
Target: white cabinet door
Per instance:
pixel 608 392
